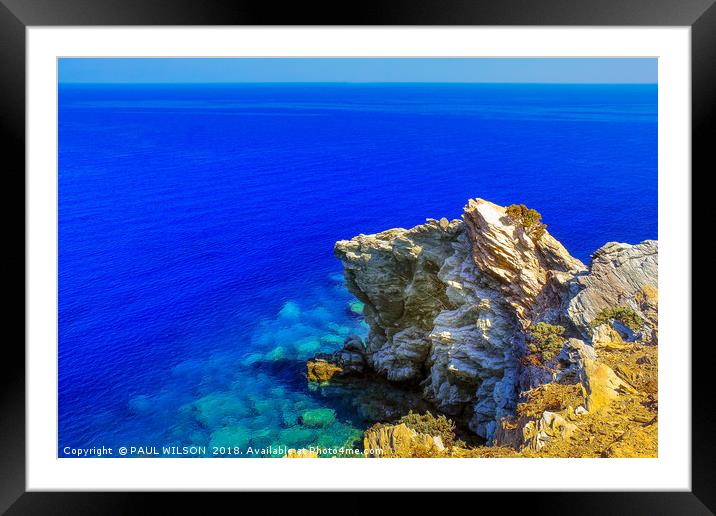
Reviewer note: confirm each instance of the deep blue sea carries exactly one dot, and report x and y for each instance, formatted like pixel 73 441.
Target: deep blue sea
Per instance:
pixel 197 223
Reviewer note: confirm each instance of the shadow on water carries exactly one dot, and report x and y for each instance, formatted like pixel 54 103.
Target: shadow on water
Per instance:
pixel 363 401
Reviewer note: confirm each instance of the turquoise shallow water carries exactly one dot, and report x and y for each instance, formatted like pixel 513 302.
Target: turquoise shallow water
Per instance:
pixel 260 399
pixel 196 228
pixel 249 400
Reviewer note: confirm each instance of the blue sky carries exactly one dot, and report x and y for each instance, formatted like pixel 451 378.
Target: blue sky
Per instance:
pixel 231 70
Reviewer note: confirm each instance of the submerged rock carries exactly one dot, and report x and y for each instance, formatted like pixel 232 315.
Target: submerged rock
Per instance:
pixel 331 339
pixel 308 347
pixel 290 311
pixel 296 436
pixel 230 437
pixel 252 359
pixel 276 354
pixel 356 307
pixel 289 417
pixel 316 418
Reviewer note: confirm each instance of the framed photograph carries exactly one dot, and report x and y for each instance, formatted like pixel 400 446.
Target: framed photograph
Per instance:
pixel 443 249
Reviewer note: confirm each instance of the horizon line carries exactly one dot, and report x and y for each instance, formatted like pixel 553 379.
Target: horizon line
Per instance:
pixel 179 83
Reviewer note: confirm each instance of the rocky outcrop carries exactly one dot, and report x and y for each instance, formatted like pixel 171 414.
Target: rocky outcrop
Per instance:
pixel 434 319
pixel 394 274
pixel 534 433
pixel 611 411
pixel 531 272
pixel 399 441
pixel 320 370
pixel 349 360
pixel 449 303
pixel 619 275
pixel 549 427
pixel 603 385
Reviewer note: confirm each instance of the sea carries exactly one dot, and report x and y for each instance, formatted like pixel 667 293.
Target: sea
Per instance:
pixel 197 222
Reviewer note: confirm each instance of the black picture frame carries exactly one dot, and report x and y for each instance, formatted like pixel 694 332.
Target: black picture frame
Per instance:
pixel 17 15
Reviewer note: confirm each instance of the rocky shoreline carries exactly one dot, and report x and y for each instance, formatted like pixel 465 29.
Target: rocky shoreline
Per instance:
pixel 493 323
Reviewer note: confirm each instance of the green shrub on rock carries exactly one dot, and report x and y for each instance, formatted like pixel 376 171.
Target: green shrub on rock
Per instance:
pixel 528 218
pixel 623 314
pixel 545 340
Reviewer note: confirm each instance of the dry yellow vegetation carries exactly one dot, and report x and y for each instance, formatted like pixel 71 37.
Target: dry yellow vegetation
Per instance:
pixel 623 421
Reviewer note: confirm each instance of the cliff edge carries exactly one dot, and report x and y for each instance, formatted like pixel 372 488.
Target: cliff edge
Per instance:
pixel 479 314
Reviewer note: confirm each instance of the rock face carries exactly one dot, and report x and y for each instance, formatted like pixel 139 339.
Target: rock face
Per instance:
pixel 399 441
pixel 619 275
pixel 394 274
pixel 448 304
pixel 434 318
pixel 533 434
pixel 350 360
pixel 549 427
pixel 603 385
pixel 530 272
pixel 321 370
